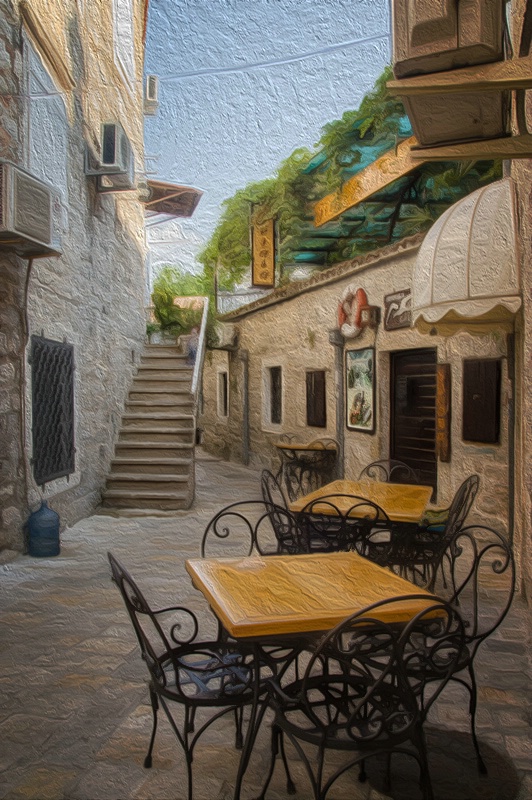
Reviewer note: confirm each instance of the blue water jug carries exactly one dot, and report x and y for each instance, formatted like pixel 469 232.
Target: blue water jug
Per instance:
pixel 43 532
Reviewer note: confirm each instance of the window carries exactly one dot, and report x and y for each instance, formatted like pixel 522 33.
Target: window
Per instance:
pixel 223 394
pixel 47 125
pixel 276 395
pixel 124 44
pixel 52 378
pixel 481 407
pixel 316 399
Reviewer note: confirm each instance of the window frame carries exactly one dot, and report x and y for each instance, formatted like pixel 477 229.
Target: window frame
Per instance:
pixel 316 417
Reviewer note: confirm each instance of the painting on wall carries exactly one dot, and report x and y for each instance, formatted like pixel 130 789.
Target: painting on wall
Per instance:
pixel 360 389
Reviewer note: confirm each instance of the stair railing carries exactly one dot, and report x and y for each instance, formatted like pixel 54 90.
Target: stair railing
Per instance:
pixel 200 355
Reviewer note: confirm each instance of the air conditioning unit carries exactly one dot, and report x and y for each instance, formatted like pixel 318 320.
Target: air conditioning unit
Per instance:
pixel 30 213
pixel 114 168
pixel 151 95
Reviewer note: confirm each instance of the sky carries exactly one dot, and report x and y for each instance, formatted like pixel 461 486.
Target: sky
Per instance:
pixel 243 83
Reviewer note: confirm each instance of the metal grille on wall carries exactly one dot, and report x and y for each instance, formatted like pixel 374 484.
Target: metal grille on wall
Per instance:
pixel 52 373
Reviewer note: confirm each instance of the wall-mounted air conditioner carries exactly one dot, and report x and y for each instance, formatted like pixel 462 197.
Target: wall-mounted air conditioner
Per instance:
pixel 151 95
pixel 30 213
pixel 114 167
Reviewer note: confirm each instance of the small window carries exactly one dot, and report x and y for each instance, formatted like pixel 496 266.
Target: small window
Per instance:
pixel 223 394
pixel 316 404
pixel 52 405
pixel 276 397
pixel 481 407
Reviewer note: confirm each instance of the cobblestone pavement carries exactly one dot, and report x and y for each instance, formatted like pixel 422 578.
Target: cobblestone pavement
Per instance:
pixel 74 717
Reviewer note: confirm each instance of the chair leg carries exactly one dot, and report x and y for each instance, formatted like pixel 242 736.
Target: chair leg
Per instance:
pixel 290 785
pixel 472 713
pixel 154 709
pixel 239 715
pixel 276 733
pixel 424 776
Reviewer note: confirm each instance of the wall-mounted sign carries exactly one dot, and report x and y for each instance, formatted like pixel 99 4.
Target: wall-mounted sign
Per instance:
pixel 263 254
pixel 350 307
pixel 398 310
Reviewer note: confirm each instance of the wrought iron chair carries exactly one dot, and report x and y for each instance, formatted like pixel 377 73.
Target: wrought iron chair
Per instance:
pixel 359 693
pixel 345 522
pixel 477 576
pixel 289 539
pixel 304 471
pixel 389 470
pixel 419 553
pixel 249 526
pixel 191 673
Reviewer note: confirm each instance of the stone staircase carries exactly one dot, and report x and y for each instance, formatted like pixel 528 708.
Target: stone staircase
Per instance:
pixel 152 472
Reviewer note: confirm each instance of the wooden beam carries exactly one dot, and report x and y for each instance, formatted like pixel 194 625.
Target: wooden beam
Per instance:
pixel 513 74
pixel 484 150
pixel 385 170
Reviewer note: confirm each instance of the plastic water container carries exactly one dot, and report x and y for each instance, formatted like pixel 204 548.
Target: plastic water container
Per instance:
pixel 43 532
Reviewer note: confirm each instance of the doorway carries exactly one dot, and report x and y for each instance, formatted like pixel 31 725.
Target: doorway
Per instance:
pixel 413 412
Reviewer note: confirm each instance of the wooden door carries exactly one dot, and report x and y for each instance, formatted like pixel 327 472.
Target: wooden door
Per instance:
pixel 413 412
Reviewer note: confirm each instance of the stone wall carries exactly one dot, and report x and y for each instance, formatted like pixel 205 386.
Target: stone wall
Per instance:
pixel 293 332
pixel 92 295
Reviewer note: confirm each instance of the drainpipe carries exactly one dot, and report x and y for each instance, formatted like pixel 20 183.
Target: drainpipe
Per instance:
pixel 243 356
pixel 510 350
pixel 337 341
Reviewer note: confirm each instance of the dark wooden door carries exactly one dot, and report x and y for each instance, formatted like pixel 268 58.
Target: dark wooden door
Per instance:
pixel 413 412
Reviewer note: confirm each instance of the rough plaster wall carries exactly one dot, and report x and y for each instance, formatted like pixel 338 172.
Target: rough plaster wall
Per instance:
pixel 294 335
pixel 92 295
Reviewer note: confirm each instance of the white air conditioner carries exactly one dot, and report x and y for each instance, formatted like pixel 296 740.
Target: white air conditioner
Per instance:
pixel 151 95
pixel 114 168
pixel 30 213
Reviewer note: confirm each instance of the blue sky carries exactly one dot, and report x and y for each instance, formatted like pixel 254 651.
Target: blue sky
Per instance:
pixel 242 83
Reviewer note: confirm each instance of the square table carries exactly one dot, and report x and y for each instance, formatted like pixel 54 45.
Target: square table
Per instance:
pixel 261 596
pixel 402 502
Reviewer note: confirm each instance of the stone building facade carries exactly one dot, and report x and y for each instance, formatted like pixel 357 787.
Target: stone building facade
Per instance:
pixel 65 69
pixel 296 328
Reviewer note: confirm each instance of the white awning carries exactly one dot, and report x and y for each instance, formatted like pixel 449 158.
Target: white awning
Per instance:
pixel 466 271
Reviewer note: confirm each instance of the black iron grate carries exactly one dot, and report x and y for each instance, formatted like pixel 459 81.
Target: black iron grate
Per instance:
pixel 52 372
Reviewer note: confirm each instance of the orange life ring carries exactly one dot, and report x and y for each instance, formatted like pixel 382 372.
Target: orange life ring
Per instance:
pixel 349 311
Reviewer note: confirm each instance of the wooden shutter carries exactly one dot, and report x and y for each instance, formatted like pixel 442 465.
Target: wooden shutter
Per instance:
pixel 481 406
pixel 316 400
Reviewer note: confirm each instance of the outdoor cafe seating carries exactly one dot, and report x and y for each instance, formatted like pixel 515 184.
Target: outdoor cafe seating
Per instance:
pixel 323 628
pixel 305 466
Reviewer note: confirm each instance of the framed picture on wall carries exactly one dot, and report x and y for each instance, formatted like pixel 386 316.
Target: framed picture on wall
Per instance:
pixel 360 389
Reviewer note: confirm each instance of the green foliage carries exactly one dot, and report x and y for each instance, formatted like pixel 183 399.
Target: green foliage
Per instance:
pixel 169 284
pixel 346 146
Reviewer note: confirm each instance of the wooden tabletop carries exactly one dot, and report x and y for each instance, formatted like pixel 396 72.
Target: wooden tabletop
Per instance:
pixel 403 502
pixel 274 595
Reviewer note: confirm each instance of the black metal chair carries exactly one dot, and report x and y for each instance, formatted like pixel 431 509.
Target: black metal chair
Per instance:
pixel 304 470
pixel 360 694
pixel 345 522
pixel 389 470
pixel 477 576
pixel 419 553
pixel 215 674
pixel 249 526
pixel 289 539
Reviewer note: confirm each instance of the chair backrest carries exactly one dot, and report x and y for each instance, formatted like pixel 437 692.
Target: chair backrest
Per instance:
pixel 367 677
pixel 340 522
pixel 477 575
pixel 461 506
pixel 272 491
pixel 248 526
pixel 327 443
pixel 389 470
pixel 155 645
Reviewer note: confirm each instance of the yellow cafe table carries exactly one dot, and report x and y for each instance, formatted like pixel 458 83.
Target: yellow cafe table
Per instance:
pixel 402 502
pixel 267 596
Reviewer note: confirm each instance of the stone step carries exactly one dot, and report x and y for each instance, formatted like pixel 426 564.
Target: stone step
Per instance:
pixel 131 481
pixel 158 374
pixel 162 350
pixel 146 498
pixel 164 363
pixel 159 434
pixel 149 394
pixel 153 420
pixel 150 449
pixel 174 384
pixel 152 465
pixel 145 407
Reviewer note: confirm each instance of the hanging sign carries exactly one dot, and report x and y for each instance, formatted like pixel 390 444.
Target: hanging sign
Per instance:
pixel 263 254
pixel 398 310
